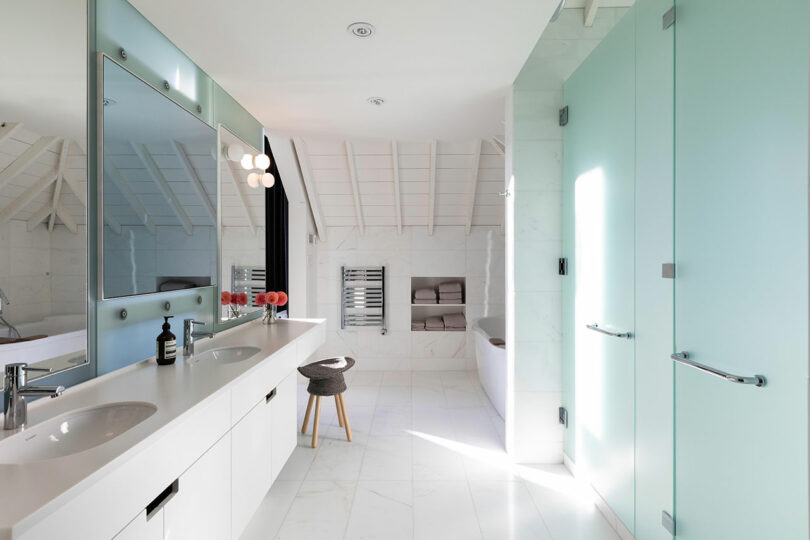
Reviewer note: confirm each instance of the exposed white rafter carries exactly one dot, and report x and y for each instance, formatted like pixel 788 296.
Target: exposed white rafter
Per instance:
pixel 38 216
pixel 195 179
pixel 57 190
pixel 25 159
pixel 112 221
pixel 499 145
pixel 154 171
pixel 66 219
pixel 432 191
pixel 75 187
pixel 123 186
pixel 473 185
pixel 309 184
pixel 27 196
pixel 7 128
pixel 241 196
pixel 358 209
pixel 397 191
pixel 589 15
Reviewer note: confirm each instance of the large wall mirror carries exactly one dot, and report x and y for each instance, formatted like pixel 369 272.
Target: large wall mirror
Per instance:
pixel 242 238
pixel 159 191
pixel 43 183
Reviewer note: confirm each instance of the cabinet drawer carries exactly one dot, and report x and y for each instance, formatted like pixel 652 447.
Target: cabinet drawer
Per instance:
pixel 257 383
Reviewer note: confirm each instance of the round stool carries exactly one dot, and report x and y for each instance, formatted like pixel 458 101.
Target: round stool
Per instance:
pixel 326 379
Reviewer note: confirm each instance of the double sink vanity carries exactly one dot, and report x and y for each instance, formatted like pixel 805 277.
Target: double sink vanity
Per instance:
pixel 148 452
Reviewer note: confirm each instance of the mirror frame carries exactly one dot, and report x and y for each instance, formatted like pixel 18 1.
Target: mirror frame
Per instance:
pixel 219 325
pixel 100 183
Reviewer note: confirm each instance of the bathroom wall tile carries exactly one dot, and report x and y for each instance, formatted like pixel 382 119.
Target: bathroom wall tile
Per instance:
pixel 339 239
pixel 569 25
pixel 396 344
pixel 486 289
pixel 539 368
pixel 486 238
pixel 29 261
pixel 388 363
pixel 536 115
pixel 61 238
pixel 5 235
pixel 485 263
pixel 21 237
pixel 438 344
pixel 439 263
pixel 68 262
pixel 329 262
pixel 536 265
pixel 538 216
pixel 538 316
pixel 536 417
pixel 442 364
pixel 397 263
pixel 538 165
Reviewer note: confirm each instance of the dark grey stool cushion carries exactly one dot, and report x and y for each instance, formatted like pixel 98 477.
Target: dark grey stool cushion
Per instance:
pixel 326 376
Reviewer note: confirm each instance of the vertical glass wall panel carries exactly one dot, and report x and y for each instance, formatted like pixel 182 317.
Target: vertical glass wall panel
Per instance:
pixel 654 246
pixel 599 173
pixel 741 294
pixel 43 187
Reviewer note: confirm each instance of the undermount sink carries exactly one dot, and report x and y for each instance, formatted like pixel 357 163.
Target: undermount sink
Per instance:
pixel 74 432
pixel 226 355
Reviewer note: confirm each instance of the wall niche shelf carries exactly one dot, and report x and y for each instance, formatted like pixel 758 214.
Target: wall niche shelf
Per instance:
pixel 420 312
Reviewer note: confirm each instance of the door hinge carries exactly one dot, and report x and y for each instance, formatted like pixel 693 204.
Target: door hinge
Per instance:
pixel 668 522
pixel 562 266
pixel 669 17
pixel 563 416
pixel 564 116
pixel 668 271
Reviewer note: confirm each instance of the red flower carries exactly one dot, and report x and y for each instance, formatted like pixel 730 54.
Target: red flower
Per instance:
pixel 282 298
pixel 243 299
pixel 225 298
pixel 272 298
pixel 261 299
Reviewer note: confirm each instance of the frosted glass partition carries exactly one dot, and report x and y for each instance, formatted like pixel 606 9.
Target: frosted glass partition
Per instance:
pixel 159 191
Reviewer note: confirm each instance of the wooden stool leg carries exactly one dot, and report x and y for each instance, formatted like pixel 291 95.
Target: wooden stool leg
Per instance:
pixel 306 415
pixel 345 418
pixel 339 410
pixel 317 419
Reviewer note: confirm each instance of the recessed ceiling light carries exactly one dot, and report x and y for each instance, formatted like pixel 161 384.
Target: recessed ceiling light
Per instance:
pixel 376 101
pixel 361 29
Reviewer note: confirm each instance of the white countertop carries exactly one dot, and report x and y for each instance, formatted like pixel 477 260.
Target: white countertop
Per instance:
pixel 40 487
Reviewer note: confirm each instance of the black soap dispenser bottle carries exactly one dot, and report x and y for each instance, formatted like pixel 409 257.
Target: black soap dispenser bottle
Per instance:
pixel 166 345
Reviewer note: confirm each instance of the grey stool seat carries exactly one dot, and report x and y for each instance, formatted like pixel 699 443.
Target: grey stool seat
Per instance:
pixel 326 379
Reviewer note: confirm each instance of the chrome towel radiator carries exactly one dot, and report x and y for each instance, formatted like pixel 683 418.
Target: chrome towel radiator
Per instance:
pixel 362 297
pixel 248 279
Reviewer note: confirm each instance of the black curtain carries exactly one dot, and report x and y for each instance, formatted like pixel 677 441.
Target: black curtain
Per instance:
pixel 276 230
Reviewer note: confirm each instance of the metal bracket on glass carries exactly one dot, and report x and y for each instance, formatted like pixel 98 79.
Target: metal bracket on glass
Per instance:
pixel 595 328
pixel 683 358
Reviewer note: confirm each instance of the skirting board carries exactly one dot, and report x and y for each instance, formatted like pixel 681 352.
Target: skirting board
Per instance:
pixel 611 517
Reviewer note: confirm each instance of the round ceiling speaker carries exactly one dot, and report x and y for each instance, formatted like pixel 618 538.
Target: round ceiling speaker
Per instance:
pixel 262 161
pixel 253 179
pixel 268 180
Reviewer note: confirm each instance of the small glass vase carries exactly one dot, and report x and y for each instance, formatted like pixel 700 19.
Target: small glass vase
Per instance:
pixel 270 314
pixel 234 311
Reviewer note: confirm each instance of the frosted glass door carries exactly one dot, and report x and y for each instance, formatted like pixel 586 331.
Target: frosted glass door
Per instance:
pixel 599 174
pixel 741 244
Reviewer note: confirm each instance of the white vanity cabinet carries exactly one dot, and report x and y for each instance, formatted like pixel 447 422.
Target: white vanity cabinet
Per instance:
pixel 284 424
pixel 143 528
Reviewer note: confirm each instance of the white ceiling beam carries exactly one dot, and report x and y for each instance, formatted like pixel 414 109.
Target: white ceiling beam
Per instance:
pixel 27 196
pixel 358 208
pixel 66 219
pixel 57 190
pixel 163 184
pixel 25 159
pixel 38 216
pixel 195 179
pixel 112 221
pixel 123 186
pixel 7 128
pixel 75 187
pixel 432 192
pixel 499 145
pixel 473 185
pixel 309 184
pixel 589 15
pixel 397 195
pixel 240 195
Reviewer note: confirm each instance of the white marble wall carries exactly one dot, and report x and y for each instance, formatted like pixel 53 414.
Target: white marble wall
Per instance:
pixel 448 252
pixel 42 273
pixel 537 150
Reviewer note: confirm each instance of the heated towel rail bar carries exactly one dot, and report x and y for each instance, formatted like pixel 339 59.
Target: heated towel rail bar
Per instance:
pixel 595 328
pixel 683 358
pixel 248 279
pixel 362 297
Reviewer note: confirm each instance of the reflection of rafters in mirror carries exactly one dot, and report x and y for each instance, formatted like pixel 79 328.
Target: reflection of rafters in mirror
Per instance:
pixel 154 171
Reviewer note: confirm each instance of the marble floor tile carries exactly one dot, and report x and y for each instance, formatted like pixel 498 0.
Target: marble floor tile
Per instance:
pixel 444 510
pixel 381 511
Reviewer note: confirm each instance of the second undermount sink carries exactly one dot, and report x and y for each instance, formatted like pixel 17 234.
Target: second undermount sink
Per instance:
pixel 226 355
pixel 73 432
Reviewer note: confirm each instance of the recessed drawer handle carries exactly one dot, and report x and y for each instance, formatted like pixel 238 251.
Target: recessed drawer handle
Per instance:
pixel 160 501
pixel 270 396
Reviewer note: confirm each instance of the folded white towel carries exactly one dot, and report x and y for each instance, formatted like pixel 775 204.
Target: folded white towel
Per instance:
pixel 424 294
pixel 450 287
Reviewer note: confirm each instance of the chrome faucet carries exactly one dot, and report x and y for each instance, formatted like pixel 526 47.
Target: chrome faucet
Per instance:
pixel 12 332
pixel 15 408
pixel 189 336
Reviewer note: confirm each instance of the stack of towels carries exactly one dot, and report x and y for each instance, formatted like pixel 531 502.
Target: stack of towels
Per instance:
pixel 450 293
pixel 424 296
pixel 452 322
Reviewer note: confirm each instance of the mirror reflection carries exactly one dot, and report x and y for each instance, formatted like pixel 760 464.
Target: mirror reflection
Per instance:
pixel 43 183
pixel 242 242
pixel 159 191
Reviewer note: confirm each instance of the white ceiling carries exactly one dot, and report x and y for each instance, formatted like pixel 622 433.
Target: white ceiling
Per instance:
pixel 443 66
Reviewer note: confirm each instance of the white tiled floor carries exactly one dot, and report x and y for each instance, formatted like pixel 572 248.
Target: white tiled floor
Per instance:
pixel 427 462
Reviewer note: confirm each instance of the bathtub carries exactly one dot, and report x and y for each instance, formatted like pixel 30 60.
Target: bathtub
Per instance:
pixel 491 360
pixel 67 334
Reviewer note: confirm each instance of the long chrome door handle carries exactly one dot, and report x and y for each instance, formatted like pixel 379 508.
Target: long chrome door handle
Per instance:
pixel 595 328
pixel 683 358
